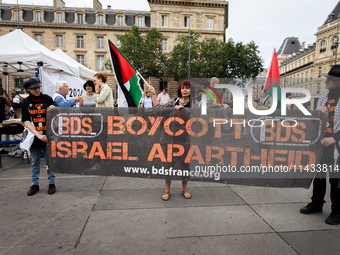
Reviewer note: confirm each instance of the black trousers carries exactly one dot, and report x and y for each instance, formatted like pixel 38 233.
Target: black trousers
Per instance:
pixel 319 188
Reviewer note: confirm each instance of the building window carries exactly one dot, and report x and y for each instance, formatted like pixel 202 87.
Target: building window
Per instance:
pixel 164 21
pixel 320 71
pixel 17 82
pixel 187 22
pixel 100 20
pixel 80 59
pixel 80 41
pixel 209 23
pixel 323 46
pixel 118 42
pixel 100 62
pixel 335 43
pixel 100 42
pixel 38 38
pixel 318 90
pixel 80 19
pixel 59 18
pixel 163 85
pixel 164 44
pixel 16 15
pixel 59 41
pixel 38 17
pixel 120 21
pixel 330 18
pixel 139 22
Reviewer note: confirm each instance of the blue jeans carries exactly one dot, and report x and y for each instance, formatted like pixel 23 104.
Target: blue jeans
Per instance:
pixel 35 165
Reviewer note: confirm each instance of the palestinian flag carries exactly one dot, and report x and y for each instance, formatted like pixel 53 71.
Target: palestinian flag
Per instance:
pixel 273 79
pixel 129 91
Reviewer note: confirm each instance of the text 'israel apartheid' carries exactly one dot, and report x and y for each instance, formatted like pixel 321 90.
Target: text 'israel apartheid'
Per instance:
pixel 280 151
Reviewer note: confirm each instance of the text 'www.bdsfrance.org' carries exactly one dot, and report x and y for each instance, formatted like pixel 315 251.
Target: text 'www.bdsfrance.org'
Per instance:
pixel 214 171
pixel 172 172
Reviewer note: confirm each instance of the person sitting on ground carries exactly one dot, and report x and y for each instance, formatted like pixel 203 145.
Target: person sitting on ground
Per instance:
pixel 89 99
pixel 59 98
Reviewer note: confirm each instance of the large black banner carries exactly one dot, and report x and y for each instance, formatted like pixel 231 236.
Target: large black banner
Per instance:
pixel 163 143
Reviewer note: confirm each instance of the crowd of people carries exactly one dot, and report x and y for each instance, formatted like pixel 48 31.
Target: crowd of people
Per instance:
pixel 99 94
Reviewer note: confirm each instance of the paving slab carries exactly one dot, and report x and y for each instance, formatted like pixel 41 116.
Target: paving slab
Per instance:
pixel 43 202
pixel 255 244
pixel 55 249
pixel 65 227
pixel 16 226
pixel 8 162
pixel 111 225
pixel 266 195
pixel 151 198
pixel 118 182
pixel 314 242
pixel 286 217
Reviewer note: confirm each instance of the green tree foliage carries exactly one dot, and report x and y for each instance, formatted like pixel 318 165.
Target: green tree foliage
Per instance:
pixel 146 55
pixel 178 60
pixel 214 58
pixel 208 59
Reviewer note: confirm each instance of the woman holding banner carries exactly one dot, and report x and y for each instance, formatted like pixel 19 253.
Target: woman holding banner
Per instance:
pixel 185 99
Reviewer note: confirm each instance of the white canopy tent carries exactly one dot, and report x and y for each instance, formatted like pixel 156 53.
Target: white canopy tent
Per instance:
pixel 84 72
pixel 21 55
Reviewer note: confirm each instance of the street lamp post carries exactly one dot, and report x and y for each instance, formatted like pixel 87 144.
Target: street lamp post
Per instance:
pixel 18 15
pixel 337 43
pixel 189 62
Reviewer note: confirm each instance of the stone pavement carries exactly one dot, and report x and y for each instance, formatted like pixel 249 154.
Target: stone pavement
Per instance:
pixel 117 215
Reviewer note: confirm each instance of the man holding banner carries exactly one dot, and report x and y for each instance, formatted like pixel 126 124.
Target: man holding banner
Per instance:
pixel 34 111
pixel 329 102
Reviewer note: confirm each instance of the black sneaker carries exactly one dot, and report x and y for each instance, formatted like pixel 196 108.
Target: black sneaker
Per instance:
pixel 333 219
pixel 311 208
pixel 51 189
pixel 33 189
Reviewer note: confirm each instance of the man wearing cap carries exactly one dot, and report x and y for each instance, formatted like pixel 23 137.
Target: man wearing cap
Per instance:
pixel 163 97
pixel 34 108
pixel 329 102
pixel 59 97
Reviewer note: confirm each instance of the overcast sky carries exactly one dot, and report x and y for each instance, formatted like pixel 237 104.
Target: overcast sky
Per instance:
pixel 266 22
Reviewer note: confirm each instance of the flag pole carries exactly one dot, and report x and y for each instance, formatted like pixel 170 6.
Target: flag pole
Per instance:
pixel 142 78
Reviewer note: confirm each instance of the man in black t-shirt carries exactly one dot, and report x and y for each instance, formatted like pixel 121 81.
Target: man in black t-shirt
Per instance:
pixel 34 109
pixel 329 102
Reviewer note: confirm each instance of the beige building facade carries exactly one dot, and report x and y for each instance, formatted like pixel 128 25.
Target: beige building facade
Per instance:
pixel 303 68
pixel 82 33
